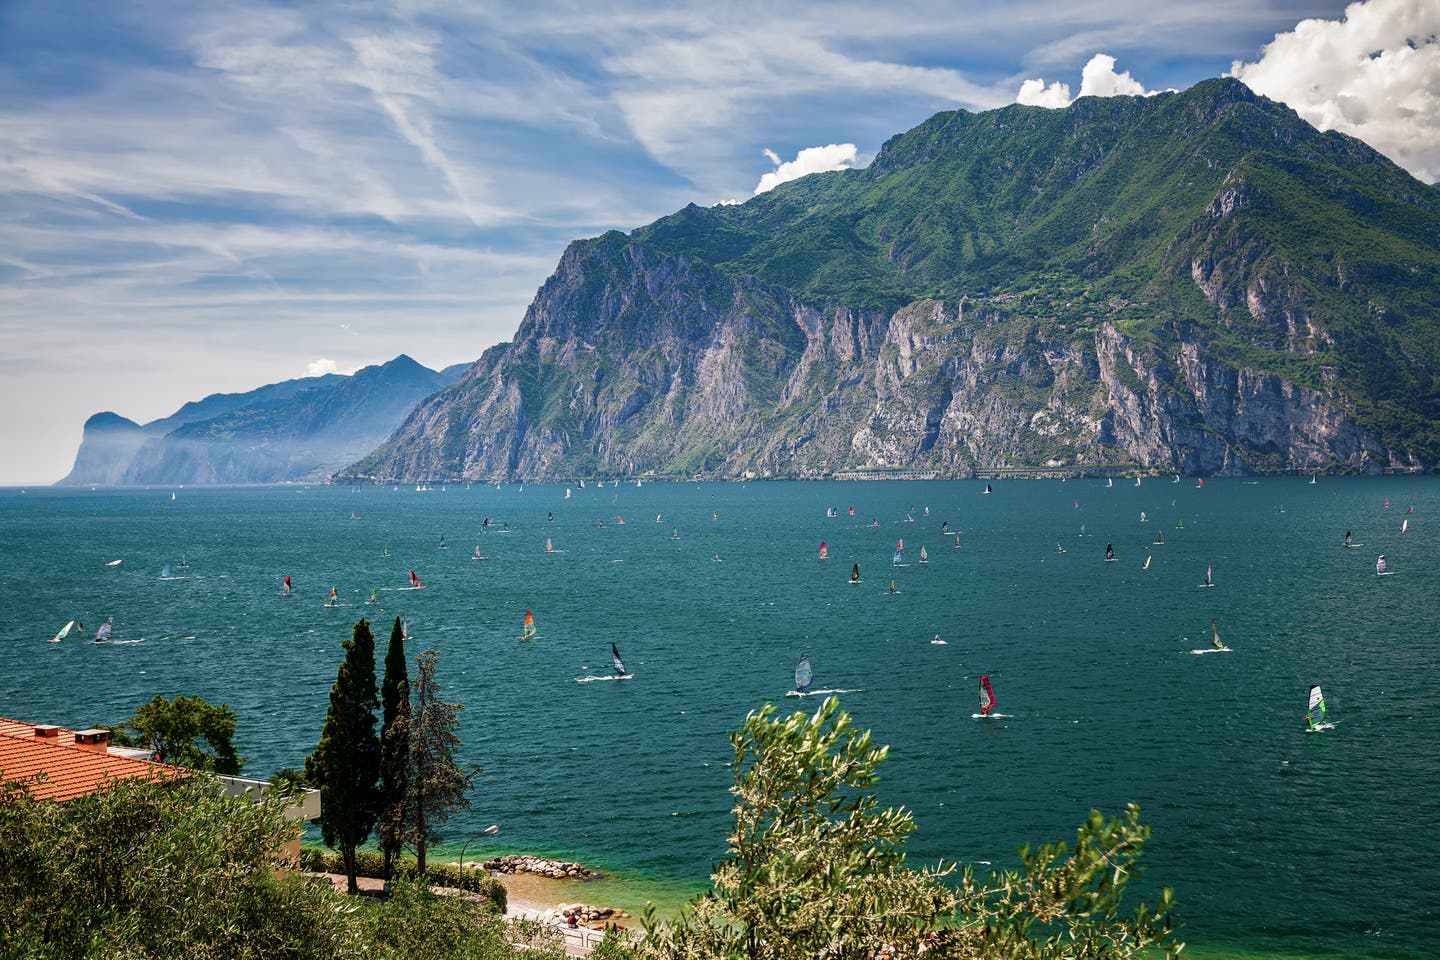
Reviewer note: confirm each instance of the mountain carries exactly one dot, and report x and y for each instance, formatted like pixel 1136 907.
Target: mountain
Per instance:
pixel 296 430
pixel 1195 282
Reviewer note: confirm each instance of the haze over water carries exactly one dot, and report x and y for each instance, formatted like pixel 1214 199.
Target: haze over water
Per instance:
pixel 1275 841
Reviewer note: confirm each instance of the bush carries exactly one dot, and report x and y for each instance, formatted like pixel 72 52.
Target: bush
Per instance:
pixel 369 863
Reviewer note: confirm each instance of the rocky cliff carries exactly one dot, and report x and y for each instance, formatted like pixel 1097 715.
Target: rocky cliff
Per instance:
pixel 296 430
pixel 1195 283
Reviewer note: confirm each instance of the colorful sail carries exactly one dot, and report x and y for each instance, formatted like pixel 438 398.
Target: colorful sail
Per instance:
pixel 64 632
pixel 897 559
pixel 1215 635
pixel 804 676
pixel 415 581
pixel 527 630
pixel 615 659
pixel 286 585
pixel 103 634
pixel 824 551
pixel 333 597
pixel 549 547
pixel 1315 710
pixel 987 696
pixel 1381 566
pixel 1209 579
pixel 374 595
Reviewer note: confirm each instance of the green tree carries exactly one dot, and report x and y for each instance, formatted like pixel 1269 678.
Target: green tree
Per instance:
pixel 394 744
pixel 345 764
pixel 816 869
pixel 187 732
pixel 434 784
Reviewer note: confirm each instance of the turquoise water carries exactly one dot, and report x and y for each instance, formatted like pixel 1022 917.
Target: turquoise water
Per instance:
pixel 1277 842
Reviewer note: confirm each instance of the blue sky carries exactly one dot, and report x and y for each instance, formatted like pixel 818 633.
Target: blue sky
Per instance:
pixel 202 197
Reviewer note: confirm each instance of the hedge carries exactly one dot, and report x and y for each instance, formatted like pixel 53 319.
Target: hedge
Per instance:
pixel 369 863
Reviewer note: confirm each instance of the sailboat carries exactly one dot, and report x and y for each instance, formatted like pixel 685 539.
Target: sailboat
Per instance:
pixel 1199 483
pixel 1082 531
pixel 415 583
pixel 831 512
pixel 824 551
pixel 113 563
pixel 1147 564
pixel 924 557
pixel 1143 518
pixel 987 697
pixel 549 547
pixel 855 573
pixel 567 493
pixel 804 676
pixel 987 488
pixel 373 596
pixel 333 599
pixel 1109 482
pixel 1160 538
pixel 64 631
pixel 1215 645
pixel 1312 479
pixel 527 629
pixel 616 661
pixel 1404 524
pixel 1209 581
pixel 442 541
pixel 285 587
pixel 1137 481
pixel 476 555
pixel 165 572
pixel 1109 553
pixel 1382 569
pixel 957 541
pixel 103 634
pixel 1315 711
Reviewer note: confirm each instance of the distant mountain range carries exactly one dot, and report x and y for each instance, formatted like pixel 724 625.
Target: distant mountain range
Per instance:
pixel 1196 282
pixel 296 430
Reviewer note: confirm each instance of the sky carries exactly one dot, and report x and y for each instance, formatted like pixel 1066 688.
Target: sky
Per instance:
pixel 201 197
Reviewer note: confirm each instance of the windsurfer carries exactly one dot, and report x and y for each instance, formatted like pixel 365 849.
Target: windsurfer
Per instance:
pixel 892 587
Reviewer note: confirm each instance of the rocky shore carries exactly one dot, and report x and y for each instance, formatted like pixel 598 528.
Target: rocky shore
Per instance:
pixel 524 863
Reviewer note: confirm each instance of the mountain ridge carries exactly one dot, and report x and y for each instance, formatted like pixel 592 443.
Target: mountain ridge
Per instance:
pixel 1197 281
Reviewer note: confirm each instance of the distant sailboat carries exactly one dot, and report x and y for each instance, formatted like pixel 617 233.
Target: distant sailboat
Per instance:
pixel 113 563
pixel 1312 479
pixel 374 596
pixel 1147 564
pixel 804 676
pixel 1137 481
pixel 824 551
pixel 1109 482
pixel 285 587
pixel 184 560
pixel 1404 524
pixel 549 547
pixel 616 662
pixel 987 696
pixel 1058 548
pixel 1215 636
pixel 924 557
pixel 1381 567
pixel 957 541
pixel 415 583
pixel 855 573
pixel 1109 552
pixel 333 598
pixel 64 632
pixel 1315 709
pixel 567 493
pixel 831 512
pixel 987 488
pixel 527 629
pixel 476 555
pixel 1143 518
pixel 1209 581
pixel 899 558
pixel 442 541
pixel 165 572
pixel 1160 538
pixel 103 634
pixel 1199 483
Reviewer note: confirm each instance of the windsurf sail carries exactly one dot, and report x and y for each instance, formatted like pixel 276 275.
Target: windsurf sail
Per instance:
pixel 615 659
pixel 1215 635
pixel 897 559
pixel 824 551
pixel 1209 579
pixel 1381 566
pixel 1404 524
pixel 1109 551
pixel 1147 563
pixel 855 573
pixel 804 676
pixel 442 541
pixel 987 488
pixel 285 587
pixel 333 598
pixel 1199 483
pixel 374 595
pixel 527 630
pixel 103 634
pixel 165 572
pixel 476 554
pixel 1315 710
pixel 184 560
pixel 924 557
pixel 64 632
pixel 415 581
pixel 549 547
pixel 987 696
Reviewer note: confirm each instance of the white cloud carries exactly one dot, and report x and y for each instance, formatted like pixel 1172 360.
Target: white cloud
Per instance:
pixel 834 156
pixel 320 367
pixel 1375 74
pixel 1097 79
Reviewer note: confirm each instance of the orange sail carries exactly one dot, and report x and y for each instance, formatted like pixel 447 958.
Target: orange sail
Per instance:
pixel 528 630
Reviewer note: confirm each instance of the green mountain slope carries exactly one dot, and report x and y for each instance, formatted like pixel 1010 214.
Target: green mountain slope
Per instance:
pixel 1193 281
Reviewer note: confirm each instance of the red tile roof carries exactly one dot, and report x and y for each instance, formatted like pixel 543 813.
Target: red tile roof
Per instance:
pixel 69 771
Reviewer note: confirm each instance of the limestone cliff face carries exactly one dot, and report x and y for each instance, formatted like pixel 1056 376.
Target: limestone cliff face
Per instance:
pixel 632 361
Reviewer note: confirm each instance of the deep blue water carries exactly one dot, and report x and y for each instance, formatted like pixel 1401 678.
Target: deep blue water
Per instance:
pixel 1276 842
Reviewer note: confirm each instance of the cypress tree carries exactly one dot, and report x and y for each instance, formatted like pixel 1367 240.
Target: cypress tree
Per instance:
pixel 436 785
pixel 394 744
pixel 345 764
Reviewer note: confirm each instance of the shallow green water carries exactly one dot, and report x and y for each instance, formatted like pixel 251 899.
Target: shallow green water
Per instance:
pixel 1277 842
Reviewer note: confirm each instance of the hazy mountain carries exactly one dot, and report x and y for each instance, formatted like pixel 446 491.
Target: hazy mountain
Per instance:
pixel 1192 282
pixel 295 430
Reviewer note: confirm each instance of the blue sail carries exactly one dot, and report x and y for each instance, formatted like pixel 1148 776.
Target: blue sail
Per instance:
pixel 803 675
pixel 615 659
